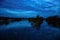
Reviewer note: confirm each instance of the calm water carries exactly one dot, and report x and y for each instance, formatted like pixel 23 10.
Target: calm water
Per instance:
pixel 15 31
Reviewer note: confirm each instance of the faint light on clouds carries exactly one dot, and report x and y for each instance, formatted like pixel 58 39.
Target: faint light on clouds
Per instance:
pixel 47 0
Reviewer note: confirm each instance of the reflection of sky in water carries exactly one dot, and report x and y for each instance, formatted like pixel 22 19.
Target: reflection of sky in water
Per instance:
pixel 25 8
pixel 26 31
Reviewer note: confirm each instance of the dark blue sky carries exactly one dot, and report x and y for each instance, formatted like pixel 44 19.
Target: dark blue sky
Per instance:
pixel 43 8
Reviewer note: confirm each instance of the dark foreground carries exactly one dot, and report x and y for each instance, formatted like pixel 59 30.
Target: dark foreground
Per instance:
pixel 29 34
pixel 19 32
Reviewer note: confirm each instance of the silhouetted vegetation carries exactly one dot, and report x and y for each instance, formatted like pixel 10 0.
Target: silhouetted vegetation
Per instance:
pixel 53 21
